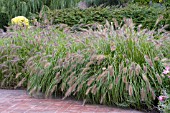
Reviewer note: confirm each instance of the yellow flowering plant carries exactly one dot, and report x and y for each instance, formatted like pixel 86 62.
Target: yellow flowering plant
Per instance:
pixel 160 1
pixel 21 21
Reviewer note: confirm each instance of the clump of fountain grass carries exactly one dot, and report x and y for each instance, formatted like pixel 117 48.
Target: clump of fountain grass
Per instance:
pixel 112 65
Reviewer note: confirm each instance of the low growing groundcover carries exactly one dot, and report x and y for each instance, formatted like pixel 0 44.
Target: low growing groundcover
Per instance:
pixel 109 66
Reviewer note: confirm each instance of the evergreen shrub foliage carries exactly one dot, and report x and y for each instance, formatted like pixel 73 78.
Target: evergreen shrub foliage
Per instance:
pixel 147 16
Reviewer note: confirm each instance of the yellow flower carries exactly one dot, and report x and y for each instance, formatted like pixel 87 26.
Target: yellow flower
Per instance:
pixel 21 21
pixel 160 1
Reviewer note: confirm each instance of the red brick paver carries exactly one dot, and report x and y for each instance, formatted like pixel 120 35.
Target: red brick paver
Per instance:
pixel 17 101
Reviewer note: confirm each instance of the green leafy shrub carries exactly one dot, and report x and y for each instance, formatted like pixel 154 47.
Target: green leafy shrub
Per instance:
pixel 77 16
pixel 144 15
pixel 104 2
pixel 3 21
pixel 120 2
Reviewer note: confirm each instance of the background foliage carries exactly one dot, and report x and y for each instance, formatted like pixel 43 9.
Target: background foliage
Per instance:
pixel 144 15
pixel 30 7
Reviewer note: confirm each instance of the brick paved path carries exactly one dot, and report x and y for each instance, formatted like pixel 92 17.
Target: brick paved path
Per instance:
pixel 17 101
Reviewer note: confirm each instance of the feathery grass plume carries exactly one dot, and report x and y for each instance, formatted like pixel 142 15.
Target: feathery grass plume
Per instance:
pixel 94 89
pixel 17 75
pixel 41 72
pixel 137 69
pixel 153 93
pixel 105 78
pixel 103 74
pixel 37 71
pixel 80 87
pixel 65 64
pixel 139 27
pixel 131 71
pixel 68 78
pixel 129 23
pixel 60 62
pixel 127 62
pixel 133 66
pixel 121 66
pixel 31 67
pixel 156 58
pixel 80 60
pixel 145 78
pixel 125 70
pixel 4 71
pixel 115 23
pixel 159 79
pixel 89 64
pixel 90 81
pixel 3 82
pixel 148 87
pixel 148 60
pixel 33 90
pixel 57 75
pixel 70 90
pixel 127 86
pixel 111 70
pixel 158 20
pixel 20 83
pixel 85 70
pixel 102 97
pixel 100 59
pixel 145 69
pixel 143 94
pixel 71 68
pixel 53 89
pixel 130 90
pixel 2 66
pixel 117 80
pixel 72 80
pixel 124 78
pixel 112 47
pixel 88 90
pixel 111 86
pixel 93 58
pixel 63 86
pixel 56 67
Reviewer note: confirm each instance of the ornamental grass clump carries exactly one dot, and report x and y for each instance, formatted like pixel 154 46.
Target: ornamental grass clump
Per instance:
pixel 108 66
pixel 113 65
pixel 16 48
